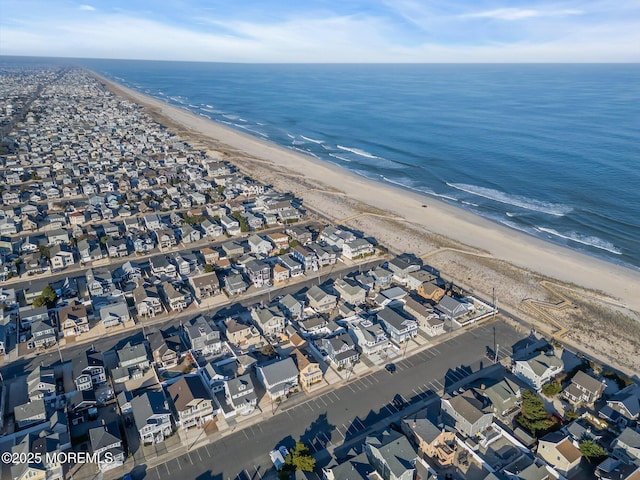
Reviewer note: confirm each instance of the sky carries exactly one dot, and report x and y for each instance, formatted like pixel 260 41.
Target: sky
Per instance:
pixel 325 30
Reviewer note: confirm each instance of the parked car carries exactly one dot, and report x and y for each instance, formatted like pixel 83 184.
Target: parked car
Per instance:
pixel 278 456
pixel 390 367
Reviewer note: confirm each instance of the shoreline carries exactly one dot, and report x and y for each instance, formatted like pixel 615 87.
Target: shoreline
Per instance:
pixel 325 179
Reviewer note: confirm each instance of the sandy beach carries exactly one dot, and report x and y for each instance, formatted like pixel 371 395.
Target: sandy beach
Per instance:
pixel 472 250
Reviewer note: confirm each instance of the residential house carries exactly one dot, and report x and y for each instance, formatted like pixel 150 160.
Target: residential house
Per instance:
pixel 623 407
pixel 99 281
pixel 41 384
pixel 143 243
pixel 382 277
pixel 558 451
pixel 295 268
pixel 205 285
pixel 30 413
pixel 60 257
pixel 627 444
pixel 235 284
pixel 398 327
pixel 114 314
pixel 259 273
pixel 291 307
pixel 270 321
pixel 370 337
pixel 353 468
pixel 301 234
pixel 106 444
pixel 230 224
pixel 391 455
pixel 176 298
pixel 88 250
pixel 315 325
pixel 306 257
pixel 401 268
pixel 117 247
pixel 336 237
pixel 133 360
pixel 320 300
pixel 73 319
pixel 539 369
pixel 240 394
pixel 428 320
pixel 40 449
pixel 279 240
pixel 583 389
pixel 167 348
pixel 201 335
pixel 350 292
pixel 310 371
pixel 466 413
pixel 232 249
pixel 161 267
pixel 147 300
pixel 151 416
pixel 212 229
pixel 357 248
pixel 279 378
pixel 413 280
pixel 280 273
pixel 259 245
pixel 57 236
pixel 341 350
pixel 166 238
pixel 236 332
pixel 192 401
pixel 43 334
pixel 210 255
pixel 30 315
pixel 431 291
pixel 451 308
pixel 326 254
pixel 88 370
pixel 504 395
pixel 152 221
pixel 189 234
pixel 438 444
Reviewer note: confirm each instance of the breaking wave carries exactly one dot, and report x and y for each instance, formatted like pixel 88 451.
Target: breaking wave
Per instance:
pixel 583 239
pixel 515 200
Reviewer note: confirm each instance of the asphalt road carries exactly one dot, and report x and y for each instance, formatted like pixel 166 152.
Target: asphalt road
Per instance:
pixel 338 415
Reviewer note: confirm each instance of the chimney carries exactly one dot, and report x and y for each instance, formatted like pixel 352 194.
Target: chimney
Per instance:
pixel 482 387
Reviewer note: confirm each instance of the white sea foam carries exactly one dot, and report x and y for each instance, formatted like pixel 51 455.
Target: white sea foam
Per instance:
pixel 357 151
pixel 306 152
pixel 515 200
pixel 291 136
pixel 515 226
pixel 312 140
pixel 344 159
pixel 207 105
pixel 470 203
pixel 583 239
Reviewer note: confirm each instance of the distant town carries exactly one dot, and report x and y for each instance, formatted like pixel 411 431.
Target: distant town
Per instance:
pixel 163 314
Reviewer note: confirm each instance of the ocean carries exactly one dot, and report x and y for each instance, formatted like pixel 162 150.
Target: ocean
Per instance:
pixel 551 150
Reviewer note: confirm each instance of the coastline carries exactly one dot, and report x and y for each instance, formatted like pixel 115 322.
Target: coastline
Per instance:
pixel 451 222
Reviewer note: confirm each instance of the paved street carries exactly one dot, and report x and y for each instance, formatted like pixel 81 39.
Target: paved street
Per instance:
pixel 337 415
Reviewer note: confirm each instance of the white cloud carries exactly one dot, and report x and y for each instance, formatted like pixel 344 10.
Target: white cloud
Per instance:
pixel 521 13
pixel 87 8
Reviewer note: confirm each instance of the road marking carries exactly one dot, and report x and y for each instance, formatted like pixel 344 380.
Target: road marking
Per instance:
pixel 374 378
pixel 245 433
pixel 360 422
pixel 189 457
pixel 168 472
pixel 338 430
pixel 178 460
pixel 158 473
pixel 208 453
pixel 336 395
pixel 417 394
pixel 322 400
pixel 351 388
pixel 402 397
pixel 437 383
pixel 198 452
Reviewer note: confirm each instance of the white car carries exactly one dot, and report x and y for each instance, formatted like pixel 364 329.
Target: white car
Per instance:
pixel 278 455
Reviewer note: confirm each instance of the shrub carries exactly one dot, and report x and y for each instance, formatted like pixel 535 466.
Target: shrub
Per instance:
pixel 551 389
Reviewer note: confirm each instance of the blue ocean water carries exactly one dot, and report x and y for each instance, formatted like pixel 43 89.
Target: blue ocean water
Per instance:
pixel 552 150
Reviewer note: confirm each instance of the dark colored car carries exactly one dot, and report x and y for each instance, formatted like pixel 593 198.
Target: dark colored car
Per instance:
pixel 390 367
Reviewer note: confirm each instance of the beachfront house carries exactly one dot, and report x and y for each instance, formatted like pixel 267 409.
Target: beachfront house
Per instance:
pixel 539 369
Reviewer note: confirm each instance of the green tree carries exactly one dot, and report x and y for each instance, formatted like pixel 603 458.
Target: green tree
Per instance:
pixel 551 389
pixel 208 268
pixel 571 415
pixel 592 451
pixel 268 350
pixel 300 458
pixel 47 297
pixel 45 251
pixel 293 243
pixel 244 226
pixel 221 189
pixel 533 416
